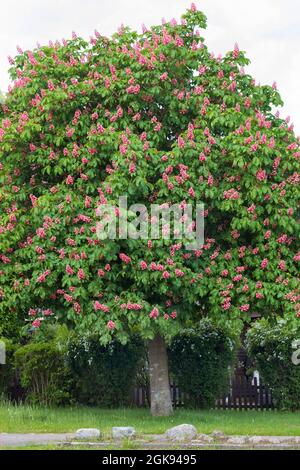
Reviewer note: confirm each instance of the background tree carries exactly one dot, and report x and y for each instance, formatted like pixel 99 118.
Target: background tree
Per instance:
pixel 159 118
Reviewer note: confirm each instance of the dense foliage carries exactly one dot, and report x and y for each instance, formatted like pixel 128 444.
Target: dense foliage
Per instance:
pixel 202 360
pixel 57 367
pixel 271 347
pixel 43 374
pixel 157 117
pixel 103 375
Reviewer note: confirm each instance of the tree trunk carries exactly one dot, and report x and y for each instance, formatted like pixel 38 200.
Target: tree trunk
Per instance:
pixel 161 403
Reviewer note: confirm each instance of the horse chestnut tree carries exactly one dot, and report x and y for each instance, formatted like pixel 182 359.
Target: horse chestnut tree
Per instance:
pixel 156 117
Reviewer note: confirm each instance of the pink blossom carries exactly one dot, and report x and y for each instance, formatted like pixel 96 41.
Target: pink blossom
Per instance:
pixel 81 274
pixel 210 180
pixel 32 312
pixel 41 233
pixel 251 209
pixel 261 175
pixel 272 143
pixel 226 304
pixel 244 308
pixel 51 86
pixel 179 273
pixel 124 258
pixel 282 239
pixel 111 325
pixel 236 51
pixel 231 194
pixel 42 277
pixel 282 266
pixel 132 168
pixel 133 89
pixel 69 270
pixel 70 132
pixel 202 69
pixel 181 142
pixel 69 180
pixel 102 307
pixel 154 313
pixel 33 200
pixel 191 192
pixel 264 263
pixel 297 257
pixel 143 265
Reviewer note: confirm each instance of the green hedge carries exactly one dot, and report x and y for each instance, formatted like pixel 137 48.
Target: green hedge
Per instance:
pixel 200 361
pixel 57 367
pixel 11 325
pixel 270 346
pixel 43 373
pixel 103 375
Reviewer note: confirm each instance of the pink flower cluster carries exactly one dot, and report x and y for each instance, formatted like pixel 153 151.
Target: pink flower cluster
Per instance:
pixel 244 308
pixel 42 277
pixel 261 175
pixel 81 274
pixel 264 263
pixel 131 306
pixel 111 325
pixel 231 194
pixel 154 313
pixel 143 265
pixel 124 258
pixel 69 270
pixel 102 307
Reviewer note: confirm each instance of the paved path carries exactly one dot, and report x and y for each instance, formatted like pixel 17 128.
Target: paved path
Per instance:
pixel 157 441
pixel 7 440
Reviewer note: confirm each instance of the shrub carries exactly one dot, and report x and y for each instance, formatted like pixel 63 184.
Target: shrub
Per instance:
pixel 43 373
pixel 103 375
pixel 270 346
pixel 200 361
pixel 11 324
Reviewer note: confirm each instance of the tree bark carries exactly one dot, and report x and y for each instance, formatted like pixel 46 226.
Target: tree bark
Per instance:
pixel 160 393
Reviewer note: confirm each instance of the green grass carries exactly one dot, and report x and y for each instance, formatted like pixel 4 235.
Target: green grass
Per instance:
pixel 27 419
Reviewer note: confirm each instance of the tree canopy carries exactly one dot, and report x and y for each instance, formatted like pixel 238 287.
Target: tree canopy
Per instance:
pixel 157 117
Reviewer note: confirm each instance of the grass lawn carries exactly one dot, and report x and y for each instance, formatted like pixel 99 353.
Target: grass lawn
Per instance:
pixel 28 419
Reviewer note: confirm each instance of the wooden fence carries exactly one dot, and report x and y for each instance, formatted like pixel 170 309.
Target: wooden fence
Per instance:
pixel 244 393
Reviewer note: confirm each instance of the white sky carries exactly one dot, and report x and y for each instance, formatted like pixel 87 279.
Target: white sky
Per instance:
pixel 269 31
